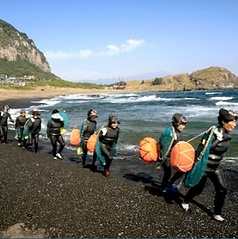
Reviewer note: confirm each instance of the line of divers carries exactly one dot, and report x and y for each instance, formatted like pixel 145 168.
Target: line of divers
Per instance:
pixel 108 138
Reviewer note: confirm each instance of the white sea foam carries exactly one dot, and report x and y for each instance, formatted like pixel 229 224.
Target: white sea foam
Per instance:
pixel 190 98
pixel 146 98
pixel 130 148
pixel 81 97
pixel 198 111
pixel 231 159
pixel 46 102
pixel 213 93
pixel 225 103
pixel 221 98
pixel 133 99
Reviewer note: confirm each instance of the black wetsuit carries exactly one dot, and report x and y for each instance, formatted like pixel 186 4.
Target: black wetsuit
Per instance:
pixel 167 165
pixel 4 116
pixel 53 132
pixel 89 127
pixel 34 131
pixel 214 172
pixel 19 126
pixel 108 143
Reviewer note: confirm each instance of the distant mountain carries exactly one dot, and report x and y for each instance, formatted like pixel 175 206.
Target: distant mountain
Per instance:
pixel 145 76
pixel 20 56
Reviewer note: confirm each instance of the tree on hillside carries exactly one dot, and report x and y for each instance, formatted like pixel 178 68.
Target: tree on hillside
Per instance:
pixel 157 81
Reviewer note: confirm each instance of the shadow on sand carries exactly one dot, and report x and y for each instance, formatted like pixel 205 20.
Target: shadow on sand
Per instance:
pixel 154 187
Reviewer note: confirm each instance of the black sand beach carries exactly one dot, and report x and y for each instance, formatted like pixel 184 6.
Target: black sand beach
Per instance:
pixel 58 198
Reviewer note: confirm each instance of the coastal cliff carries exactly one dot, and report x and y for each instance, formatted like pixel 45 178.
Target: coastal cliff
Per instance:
pixel 16 45
pixel 19 55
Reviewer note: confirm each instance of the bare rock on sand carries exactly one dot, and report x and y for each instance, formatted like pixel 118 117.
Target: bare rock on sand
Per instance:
pixel 19 230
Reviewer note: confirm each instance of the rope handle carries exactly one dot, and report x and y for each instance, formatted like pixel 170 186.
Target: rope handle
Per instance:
pixel 200 134
pixel 98 131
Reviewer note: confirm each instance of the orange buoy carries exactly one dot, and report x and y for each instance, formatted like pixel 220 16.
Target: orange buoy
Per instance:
pixel 182 156
pixel 92 142
pixel 149 149
pixel 75 137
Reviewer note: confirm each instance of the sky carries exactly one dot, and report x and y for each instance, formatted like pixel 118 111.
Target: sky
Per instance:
pixel 109 40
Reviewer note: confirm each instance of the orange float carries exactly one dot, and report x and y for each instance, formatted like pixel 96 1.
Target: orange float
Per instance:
pixel 92 142
pixel 182 156
pixel 74 138
pixel 149 149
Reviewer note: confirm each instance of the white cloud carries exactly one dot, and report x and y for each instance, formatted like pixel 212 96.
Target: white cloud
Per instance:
pixel 85 53
pixel 56 55
pixel 129 45
pixel 66 55
pixel 111 49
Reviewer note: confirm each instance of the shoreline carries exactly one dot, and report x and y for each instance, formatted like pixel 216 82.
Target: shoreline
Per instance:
pixel 22 98
pixel 50 92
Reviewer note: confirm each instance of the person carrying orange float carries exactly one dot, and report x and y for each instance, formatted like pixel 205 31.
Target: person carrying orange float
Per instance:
pixel 106 146
pixel 87 129
pixel 220 142
pixel 169 138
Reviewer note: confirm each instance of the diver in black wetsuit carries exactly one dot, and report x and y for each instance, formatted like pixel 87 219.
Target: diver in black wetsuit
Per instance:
pixel 4 116
pixel 34 130
pixel 19 126
pixel 88 128
pixel 179 122
pixel 108 138
pixel 227 123
pixel 54 126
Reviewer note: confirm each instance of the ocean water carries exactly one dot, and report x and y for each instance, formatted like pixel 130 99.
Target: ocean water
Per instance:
pixel 145 114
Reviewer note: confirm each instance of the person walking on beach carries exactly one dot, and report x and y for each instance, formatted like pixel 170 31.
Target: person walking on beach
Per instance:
pixel 171 136
pixel 220 144
pixel 107 144
pixel 4 117
pixel 34 127
pixel 19 126
pixel 87 129
pixel 54 126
